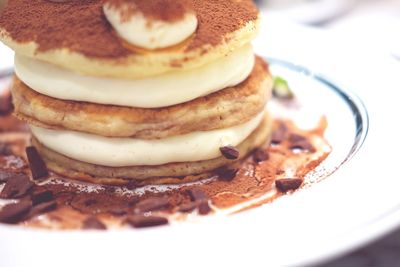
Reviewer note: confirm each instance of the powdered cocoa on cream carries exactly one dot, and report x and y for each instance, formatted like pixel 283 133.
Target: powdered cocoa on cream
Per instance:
pixel 164 10
pixel 81 26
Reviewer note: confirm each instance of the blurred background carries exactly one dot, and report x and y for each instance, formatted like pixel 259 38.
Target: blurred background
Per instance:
pixel 375 23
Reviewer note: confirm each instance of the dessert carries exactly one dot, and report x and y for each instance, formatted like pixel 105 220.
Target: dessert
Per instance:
pixel 149 91
pixel 127 94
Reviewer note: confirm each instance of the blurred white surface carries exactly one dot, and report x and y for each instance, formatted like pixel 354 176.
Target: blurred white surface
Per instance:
pixel 312 12
pixel 6 58
pixel 372 23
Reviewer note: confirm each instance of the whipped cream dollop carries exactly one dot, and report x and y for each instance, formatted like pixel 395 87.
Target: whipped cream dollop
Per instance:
pixel 118 152
pixel 148 31
pixel 159 91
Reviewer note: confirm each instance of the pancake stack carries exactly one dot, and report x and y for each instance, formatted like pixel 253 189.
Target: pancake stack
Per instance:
pixel 149 92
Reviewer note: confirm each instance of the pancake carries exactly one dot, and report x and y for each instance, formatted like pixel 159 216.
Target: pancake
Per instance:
pixel 76 35
pixel 223 109
pixel 141 175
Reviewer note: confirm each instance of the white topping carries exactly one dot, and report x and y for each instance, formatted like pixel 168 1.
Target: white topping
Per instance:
pixel 117 152
pixel 159 91
pixel 150 33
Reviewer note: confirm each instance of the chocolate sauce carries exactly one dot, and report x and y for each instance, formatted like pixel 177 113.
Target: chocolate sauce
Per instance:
pixel 59 203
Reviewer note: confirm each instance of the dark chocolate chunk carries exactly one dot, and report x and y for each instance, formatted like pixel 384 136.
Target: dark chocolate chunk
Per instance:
pixel 204 208
pixel 287 184
pixel 187 207
pixel 132 184
pixel 13 213
pixel 5 176
pixel 42 208
pixel 260 155
pixel 140 221
pixel 17 186
pixel 40 195
pixel 5 149
pixel 152 204
pixel 196 194
pixel 279 134
pixel 93 223
pixel 36 163
pixel 229 152
pixel 226 174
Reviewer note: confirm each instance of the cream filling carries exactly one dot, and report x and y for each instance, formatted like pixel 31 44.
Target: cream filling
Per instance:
pixel 118 152
pixel 154 92
pixel 150 33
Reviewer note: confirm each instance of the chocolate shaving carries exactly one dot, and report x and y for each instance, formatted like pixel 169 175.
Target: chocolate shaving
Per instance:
pixel 140 221
pixel 260 155
pixel 288 184
pixel 152 204
pixel 40 195
pixel 93 223
pixel 17 186
pixel 204 208
pixel 13 213
pixel 226 174
pixel 200 198
pixel 196 194
pixel 187 207
pixel 42 208
pixel 229 152
pixel 280 134
pixel 36 163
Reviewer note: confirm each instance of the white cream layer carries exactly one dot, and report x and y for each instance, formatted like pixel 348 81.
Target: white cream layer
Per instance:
pixel 150 33
pixel 117 152
pixel 154 92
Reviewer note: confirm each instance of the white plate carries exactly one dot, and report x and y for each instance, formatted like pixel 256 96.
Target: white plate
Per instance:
pixel 356 204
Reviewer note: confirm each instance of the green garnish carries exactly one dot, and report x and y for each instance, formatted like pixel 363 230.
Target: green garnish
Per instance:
pixel 281 89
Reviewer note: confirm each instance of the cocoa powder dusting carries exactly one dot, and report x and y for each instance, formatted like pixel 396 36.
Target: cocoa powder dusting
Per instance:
pixel 164 10
pixel 218 18
pixel 81 26
pixel 77 25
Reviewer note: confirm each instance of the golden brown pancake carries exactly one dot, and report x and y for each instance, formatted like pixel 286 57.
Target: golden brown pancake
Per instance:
pixel 168 173
pixel 76 35
pixel 223 109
